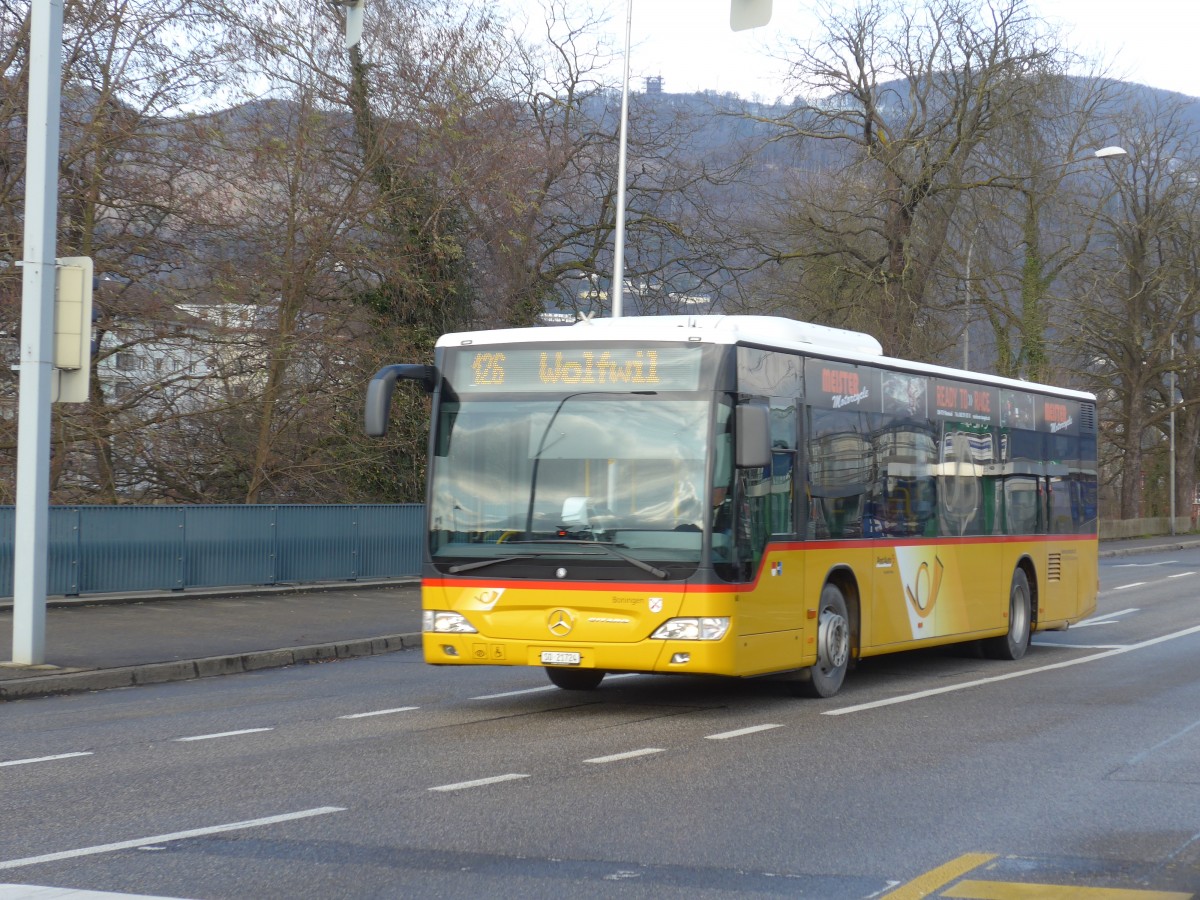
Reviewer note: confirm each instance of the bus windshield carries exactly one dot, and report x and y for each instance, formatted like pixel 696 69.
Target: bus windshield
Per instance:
pixel 527 476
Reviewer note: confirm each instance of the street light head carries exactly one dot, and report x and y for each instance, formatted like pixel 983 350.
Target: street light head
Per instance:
pixel 1109 152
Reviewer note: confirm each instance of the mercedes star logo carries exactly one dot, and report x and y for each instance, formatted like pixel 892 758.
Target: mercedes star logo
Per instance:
pixel 560 622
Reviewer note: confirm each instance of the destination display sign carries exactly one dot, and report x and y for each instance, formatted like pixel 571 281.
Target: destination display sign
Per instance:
pixel 573 367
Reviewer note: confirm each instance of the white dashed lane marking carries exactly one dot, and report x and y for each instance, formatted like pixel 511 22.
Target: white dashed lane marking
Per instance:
pixel 41 759
pixel 478 782
pixel 631 754
pixel 222 734
pixel 379 712
pixel 1022 673
pixel 1107 619
pixel 725 735
pixel 163 838
pixel 544 688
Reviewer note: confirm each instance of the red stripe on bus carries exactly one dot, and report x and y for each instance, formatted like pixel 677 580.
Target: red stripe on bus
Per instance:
pixel 749 586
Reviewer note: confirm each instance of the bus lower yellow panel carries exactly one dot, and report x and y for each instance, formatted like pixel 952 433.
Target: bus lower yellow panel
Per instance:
pixel 608 626
pixel 760 654
pixel 904 594
pixel 934 593
pixel 930 593
pixel 1087 579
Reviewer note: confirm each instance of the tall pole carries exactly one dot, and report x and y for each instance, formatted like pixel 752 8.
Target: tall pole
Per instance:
pixel 619 237
pixel 967 307
pixel 32 524
pixel 1171 485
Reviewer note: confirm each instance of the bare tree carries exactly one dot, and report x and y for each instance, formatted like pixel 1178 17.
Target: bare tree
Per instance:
pixel 125 67
pixel 1017 238
pixel 904 98
pixel 1138 295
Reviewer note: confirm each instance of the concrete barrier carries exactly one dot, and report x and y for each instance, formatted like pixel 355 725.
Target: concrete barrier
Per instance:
pixel 1122 529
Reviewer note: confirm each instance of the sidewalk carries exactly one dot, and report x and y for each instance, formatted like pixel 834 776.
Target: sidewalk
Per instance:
pixel 1163 542
pixel 105 641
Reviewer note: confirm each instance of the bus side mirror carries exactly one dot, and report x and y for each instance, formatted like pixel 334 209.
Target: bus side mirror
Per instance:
pixel 753 436
pixel 380 388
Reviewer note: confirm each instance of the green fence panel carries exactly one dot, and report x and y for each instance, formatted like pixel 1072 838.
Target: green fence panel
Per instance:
pixel 230 545
pixel 113 549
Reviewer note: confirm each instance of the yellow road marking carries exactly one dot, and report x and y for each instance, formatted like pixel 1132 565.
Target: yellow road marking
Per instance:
pixel 997 890
pixel 924 885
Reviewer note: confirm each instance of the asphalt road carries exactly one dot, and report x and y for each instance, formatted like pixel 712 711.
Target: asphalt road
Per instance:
pixel 931 774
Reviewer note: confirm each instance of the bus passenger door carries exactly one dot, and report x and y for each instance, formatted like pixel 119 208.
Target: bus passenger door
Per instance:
pixel 764 523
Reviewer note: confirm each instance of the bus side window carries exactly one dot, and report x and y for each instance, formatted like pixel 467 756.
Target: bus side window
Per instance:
pixel 963 455
pixel 1022 499
pixel 783 465
pixel 840 473
pixel 754 484
pixel 1025 485
pixel 722 500
pixel 1060 506
pixel 722 485
pixel 1085 489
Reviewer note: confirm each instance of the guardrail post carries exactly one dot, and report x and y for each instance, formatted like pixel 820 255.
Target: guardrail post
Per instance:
pixel 181 553
pixel 75 578
pixel 356 543
pixel 274 545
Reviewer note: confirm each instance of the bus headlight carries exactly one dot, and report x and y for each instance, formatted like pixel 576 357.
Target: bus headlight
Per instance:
pixel 444 621
pixel 706 628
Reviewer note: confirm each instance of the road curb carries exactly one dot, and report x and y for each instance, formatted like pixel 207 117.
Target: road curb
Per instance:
pixel 1149 548
pixel 185 670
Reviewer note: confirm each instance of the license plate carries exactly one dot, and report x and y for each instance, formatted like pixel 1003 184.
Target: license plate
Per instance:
pixel 560 658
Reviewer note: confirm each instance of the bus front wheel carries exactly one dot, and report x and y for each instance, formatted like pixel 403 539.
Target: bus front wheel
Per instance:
pixel 1020 618
pixel 575 679
pixel 833 646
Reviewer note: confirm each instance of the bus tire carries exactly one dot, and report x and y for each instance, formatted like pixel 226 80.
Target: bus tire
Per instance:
pixel 575 679
pixel 833 646
pixel 1020 618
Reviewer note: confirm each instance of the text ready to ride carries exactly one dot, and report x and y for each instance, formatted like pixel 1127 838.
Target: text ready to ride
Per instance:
pixel 742 496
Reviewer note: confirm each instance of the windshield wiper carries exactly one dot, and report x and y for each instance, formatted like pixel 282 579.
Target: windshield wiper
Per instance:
pixel 633 560
pixel 609 547
pixel 481 563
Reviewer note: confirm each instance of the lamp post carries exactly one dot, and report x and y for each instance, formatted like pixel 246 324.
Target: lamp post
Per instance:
pixel 1031 355
pixel 743 14
pixel 967 305
pixel 619 235
pixel 32 516
pixel 1171 430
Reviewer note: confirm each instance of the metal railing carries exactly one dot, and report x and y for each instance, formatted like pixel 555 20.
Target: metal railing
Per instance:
pixel 106 549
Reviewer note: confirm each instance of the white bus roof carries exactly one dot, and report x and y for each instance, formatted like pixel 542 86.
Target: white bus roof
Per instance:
pixel 764 331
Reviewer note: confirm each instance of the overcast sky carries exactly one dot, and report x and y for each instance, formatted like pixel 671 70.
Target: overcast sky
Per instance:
pixel 689 43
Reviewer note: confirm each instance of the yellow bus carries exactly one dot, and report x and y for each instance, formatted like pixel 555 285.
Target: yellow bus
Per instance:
pixel 741 496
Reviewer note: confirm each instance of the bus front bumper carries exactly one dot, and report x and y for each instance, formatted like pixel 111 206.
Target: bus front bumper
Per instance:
pixel 695 657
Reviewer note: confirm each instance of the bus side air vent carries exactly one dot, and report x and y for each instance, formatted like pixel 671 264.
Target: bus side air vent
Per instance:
pixel 1054 567
pixel 1087 418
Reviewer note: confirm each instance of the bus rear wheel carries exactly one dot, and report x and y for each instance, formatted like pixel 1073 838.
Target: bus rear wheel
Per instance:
pixel 1020 620
pixel 833 646
pixel 575 679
